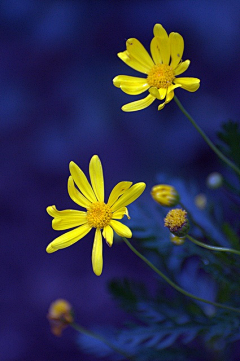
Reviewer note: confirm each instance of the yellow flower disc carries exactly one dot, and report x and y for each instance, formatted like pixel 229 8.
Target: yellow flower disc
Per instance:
pixel 99 215
pixel 160 76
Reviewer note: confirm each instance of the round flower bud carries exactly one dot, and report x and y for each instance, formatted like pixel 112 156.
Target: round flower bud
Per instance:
pixel 60 316
pixel 165 195
pixel 178 241
pixel 177 222
pixel 214 180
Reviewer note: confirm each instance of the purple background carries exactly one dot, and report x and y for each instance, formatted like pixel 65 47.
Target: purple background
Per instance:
pixel 57 104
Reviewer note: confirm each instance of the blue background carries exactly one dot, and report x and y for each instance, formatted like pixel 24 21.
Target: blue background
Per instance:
pixel 57 104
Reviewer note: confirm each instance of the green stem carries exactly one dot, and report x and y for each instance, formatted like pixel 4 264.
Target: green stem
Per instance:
pixel 100 338
pixel 174 285
pixel 212 248
pixel 205 137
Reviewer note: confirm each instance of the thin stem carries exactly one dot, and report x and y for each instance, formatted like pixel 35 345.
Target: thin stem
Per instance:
pixel 174 285
pixel 212 248
pixel 100 338
pixel 205 137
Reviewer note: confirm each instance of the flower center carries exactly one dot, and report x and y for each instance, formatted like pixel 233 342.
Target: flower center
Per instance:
pixel 175 219
pixel 99 215
pixel 160 76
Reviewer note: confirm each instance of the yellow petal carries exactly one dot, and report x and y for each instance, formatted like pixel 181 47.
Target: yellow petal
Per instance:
pixel 155 50
pixel 154 92
pixel 139 104
pixel 176 48
pixel 134 89
pixel 76 196
pixel 163 43
pixel 97 258
pixel 96 176
pixel 108 235
pixel 129 196
pixel 128 59
pixel 120 80
pixel 69 238
pixel 121 229
pixel 162 93
pixel 138 52
pixel 66 219
pixel 82 182
pixel 182 67
pixel 189 84
pixel 120 213
pixel 117 191
pixel 169 95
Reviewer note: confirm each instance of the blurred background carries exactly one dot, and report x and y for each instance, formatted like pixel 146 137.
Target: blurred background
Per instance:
pixel 57 104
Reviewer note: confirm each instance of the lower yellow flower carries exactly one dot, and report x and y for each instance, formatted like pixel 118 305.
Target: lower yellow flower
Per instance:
pixel 161 73
pixel 99 215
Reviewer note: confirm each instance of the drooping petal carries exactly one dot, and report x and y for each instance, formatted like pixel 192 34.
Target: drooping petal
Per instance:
pixel 138 52
pixel 134 89
pixel 155 50
pixel 81 181
pixel 121 229
pixel 162 93
pixel 176 48
pixel 120 80
pixel 128 59
pixel 96 176
pixel 120 213
pixel 163 42
pixel 169 95
pixel 76 196
pixel 182 67
pixel 69 238
pixel 138 104
pixel 129 196
pixel 97 257
pixel 154 91
pixel 117 191
pixel 66 219
pixel 108 235
pixel 189 84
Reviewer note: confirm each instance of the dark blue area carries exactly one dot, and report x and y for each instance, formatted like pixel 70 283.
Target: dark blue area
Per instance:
pixel 57 104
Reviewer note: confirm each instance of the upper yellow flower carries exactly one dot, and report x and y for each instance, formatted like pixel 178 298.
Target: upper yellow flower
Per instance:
pixel 161 69
pixel 99 215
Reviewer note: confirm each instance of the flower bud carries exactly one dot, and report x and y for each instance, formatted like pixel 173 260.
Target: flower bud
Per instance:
pixel 177 222
pixel 214 180
pixel 165 195
pixel 178 241
pixel 59 316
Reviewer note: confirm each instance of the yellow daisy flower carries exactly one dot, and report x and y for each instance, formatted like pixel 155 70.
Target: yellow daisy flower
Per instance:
pixel 161 69
pixel 99 215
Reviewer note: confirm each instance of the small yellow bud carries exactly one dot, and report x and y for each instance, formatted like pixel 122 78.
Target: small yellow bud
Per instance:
pixel 165 195
pixel 59 316
pixel 177 222
pixel 178 241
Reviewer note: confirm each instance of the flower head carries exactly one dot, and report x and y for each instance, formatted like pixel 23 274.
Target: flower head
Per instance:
pixel 60 316
pixel 99 215
pixel 177 222
pixel 161 69
pixel 165 195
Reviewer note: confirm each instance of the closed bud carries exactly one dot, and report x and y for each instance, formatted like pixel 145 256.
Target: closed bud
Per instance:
pixel 165 195
pixel 177 222
pixel 60 316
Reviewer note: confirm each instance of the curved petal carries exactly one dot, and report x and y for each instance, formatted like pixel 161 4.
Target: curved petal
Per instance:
pixel 176 48
pixel 81 181
pixel 97 257
pixel 155 50
pixel 120 213
pixel 138 52
pixel 134 89
pixel 189 84
pixel 69 238
pixel 121 229
pixel 163 42
pixel 76 196
pixel 120 80
pixel 108 235
pixel 66 219
pixel 138 104
pixel 169 95
pixel 128 59
pixel 162 93
pixel 117 191
pixel 96 176
pixel 154 92
pixel 129 196
pixel 182 67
